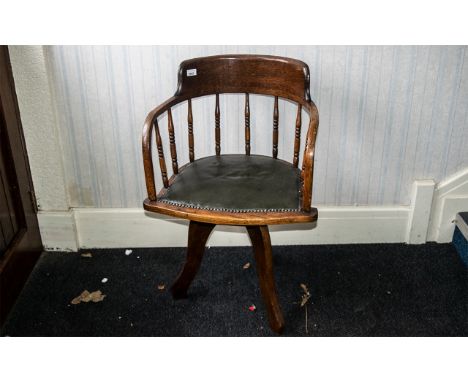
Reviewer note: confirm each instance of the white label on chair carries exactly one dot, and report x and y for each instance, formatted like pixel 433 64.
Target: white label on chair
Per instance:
pixel 191 72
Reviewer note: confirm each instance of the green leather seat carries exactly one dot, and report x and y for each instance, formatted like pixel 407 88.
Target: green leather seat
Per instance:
pixel 236 183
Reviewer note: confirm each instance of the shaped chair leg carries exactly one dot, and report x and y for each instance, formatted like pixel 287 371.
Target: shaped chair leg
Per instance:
pixel 260 237
pixel 197 238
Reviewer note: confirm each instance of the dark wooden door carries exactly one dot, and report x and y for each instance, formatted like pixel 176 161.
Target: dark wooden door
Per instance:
pixel 20 241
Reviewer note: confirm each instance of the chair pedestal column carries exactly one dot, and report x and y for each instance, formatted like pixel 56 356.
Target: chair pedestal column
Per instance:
pixel 197 238
pixel 260 237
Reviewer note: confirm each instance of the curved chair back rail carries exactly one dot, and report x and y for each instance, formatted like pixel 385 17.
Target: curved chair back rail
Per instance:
pixel 268 75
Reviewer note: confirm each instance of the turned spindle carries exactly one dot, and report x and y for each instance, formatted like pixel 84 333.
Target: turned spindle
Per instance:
pixel 297 136
pixel 190 131
pixel 170 125
pixel 275 128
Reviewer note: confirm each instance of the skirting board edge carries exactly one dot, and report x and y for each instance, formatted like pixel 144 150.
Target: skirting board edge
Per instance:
pixel 133 227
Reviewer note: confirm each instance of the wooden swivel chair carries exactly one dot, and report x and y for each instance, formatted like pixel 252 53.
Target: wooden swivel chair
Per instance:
pixel 236 189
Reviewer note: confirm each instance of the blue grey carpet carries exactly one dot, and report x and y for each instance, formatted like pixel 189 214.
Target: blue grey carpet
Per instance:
pixel 356 290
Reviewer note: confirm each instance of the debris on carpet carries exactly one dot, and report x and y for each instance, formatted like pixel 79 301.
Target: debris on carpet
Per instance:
pixel 104 280
pixel 87 254
pixel 128 252
pixel 305 296
pixel 304 299
pixel 86 296
pixel 161 286
pixel 252 308
pixel 246 266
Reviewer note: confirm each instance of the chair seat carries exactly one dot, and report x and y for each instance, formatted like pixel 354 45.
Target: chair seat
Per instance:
pixel 236 183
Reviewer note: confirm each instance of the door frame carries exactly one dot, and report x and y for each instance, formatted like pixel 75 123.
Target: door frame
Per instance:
pixel 21 255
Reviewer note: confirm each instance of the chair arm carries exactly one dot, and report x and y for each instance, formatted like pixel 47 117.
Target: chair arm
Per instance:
pixel 147 143
pixel 307 172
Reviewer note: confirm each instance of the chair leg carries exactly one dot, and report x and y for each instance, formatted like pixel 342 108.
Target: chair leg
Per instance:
pixel 260 237
pixel 197 238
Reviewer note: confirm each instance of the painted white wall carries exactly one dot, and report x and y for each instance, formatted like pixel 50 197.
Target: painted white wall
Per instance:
pixel 388 116
pixel 38 117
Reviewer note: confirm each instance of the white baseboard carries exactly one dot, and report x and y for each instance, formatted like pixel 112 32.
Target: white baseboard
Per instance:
pixel 58 231
pixel 128 227
pixel 421 203
pixel 133 227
